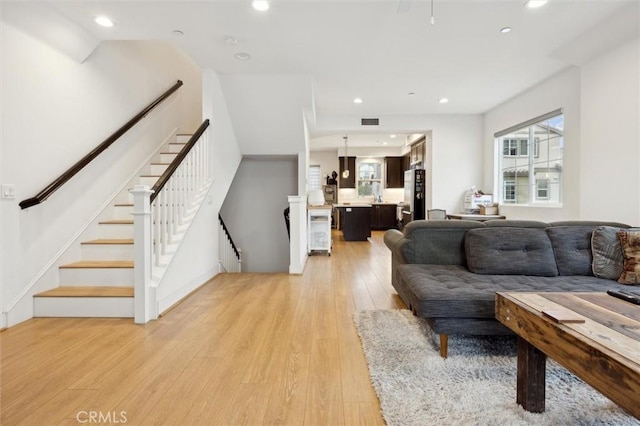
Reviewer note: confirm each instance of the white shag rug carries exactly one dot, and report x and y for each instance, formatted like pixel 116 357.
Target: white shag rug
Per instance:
pixel 475 385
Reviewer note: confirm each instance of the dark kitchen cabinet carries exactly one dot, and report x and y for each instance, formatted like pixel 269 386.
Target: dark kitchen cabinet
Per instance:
pixel 355 222
pixel 349 182
pixel 383 216
pixel 395 171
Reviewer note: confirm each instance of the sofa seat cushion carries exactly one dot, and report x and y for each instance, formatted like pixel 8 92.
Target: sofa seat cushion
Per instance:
pixel 440 291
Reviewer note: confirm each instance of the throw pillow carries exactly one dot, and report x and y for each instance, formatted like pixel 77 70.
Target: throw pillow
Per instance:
pixel 630 243
pixel 608 261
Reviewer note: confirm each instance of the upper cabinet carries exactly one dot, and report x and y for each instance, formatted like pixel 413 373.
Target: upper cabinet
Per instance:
pixel 417 154
pixel 395 172
pixel 349 182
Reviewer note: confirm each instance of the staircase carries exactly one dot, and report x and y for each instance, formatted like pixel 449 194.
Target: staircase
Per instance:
pixel 101 282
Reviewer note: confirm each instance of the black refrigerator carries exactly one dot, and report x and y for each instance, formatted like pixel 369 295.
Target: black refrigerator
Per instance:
pixel 414 195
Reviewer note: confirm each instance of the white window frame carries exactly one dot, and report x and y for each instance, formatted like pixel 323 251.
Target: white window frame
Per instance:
pixel 547 156
pixel 542 185
pixel 361 162
pixel 509 184
pixel 315 177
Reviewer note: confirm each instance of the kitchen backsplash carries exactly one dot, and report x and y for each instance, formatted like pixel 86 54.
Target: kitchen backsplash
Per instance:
pixel 390 195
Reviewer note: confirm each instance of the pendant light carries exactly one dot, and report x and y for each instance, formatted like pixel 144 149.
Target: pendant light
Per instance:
pixel 345 172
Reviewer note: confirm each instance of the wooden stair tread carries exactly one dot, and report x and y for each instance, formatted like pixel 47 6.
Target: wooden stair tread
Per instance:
pixel 99 264
pixel 88 292
pixel 155 176
pixel 123 204
pixel 160 164
pixel 117 222
pixel 111 241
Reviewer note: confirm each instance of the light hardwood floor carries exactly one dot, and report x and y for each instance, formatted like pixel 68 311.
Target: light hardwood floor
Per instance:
pixel 244 349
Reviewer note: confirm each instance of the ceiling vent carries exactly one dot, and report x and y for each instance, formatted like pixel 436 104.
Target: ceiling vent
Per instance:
pixel 370 121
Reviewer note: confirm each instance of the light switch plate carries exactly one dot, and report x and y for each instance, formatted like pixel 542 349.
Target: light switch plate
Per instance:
pixel 8 191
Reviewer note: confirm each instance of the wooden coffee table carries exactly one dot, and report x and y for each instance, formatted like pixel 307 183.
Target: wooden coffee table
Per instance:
pixel 593 335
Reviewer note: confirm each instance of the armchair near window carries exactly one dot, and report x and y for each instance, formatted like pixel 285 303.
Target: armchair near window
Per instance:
pixel 435 214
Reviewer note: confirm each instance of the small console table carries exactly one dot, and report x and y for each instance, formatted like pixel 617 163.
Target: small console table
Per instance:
pixel 319 228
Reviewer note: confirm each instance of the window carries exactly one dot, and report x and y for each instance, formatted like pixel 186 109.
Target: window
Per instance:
pixel 509 192
pixel 518 147
pixel 369 177
pixel 542 189
pixel 530 167
pixel 314 178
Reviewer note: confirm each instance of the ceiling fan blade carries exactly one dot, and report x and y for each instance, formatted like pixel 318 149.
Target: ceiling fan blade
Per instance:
pixel 404 6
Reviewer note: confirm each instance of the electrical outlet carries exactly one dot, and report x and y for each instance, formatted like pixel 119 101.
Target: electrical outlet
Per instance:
pixel 8 191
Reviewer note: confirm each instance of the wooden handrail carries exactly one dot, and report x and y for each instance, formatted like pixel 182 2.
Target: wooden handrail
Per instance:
pixel 226 231
pixel 162 180
pixel 62 179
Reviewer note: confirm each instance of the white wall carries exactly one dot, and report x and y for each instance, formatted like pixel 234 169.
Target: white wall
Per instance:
pixel 327 160
pixel 559 91
pixel 610 128
pixel 253 212
pixel 601 102
pixel 52 116
pixel 267 112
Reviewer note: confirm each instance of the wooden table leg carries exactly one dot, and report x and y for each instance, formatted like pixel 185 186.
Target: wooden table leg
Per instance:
pixel 531 377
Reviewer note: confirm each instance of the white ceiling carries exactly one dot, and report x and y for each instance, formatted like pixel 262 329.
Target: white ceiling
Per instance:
pixel 373 50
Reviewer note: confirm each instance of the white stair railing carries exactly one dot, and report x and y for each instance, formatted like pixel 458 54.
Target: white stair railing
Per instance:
pixel 229 256
pixel 162 215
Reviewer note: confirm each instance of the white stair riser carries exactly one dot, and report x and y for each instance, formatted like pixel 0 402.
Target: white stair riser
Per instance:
pixel 157 169
pixel 167 158
pixel 110 307
pixel 148 180
pixel 183 138
pixel 122 213
pixel 116 277
pixel 175 147
pixel 107 252
pixel 115 231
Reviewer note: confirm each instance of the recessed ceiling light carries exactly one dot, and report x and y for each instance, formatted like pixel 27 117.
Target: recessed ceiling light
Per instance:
pixel 242 56
pixel 443 100
pixel 392 136
pixel 260 5
pixel 505 30
pixel 385 143
pixel 534 4
pixel 357 101
pixel 103 21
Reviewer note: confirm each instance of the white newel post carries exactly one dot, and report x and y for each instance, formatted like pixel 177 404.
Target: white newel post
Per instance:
pixel 298 232
pixel 143 303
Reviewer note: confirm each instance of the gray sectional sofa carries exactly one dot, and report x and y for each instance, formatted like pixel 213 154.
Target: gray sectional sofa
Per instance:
pixel 448 271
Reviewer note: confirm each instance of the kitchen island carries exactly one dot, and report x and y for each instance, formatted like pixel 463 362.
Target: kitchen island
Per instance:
pixel 355 221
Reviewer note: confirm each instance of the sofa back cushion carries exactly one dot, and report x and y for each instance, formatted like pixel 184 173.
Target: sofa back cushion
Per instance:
pixel 572 249
pixel 436 242
pixel 510 251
